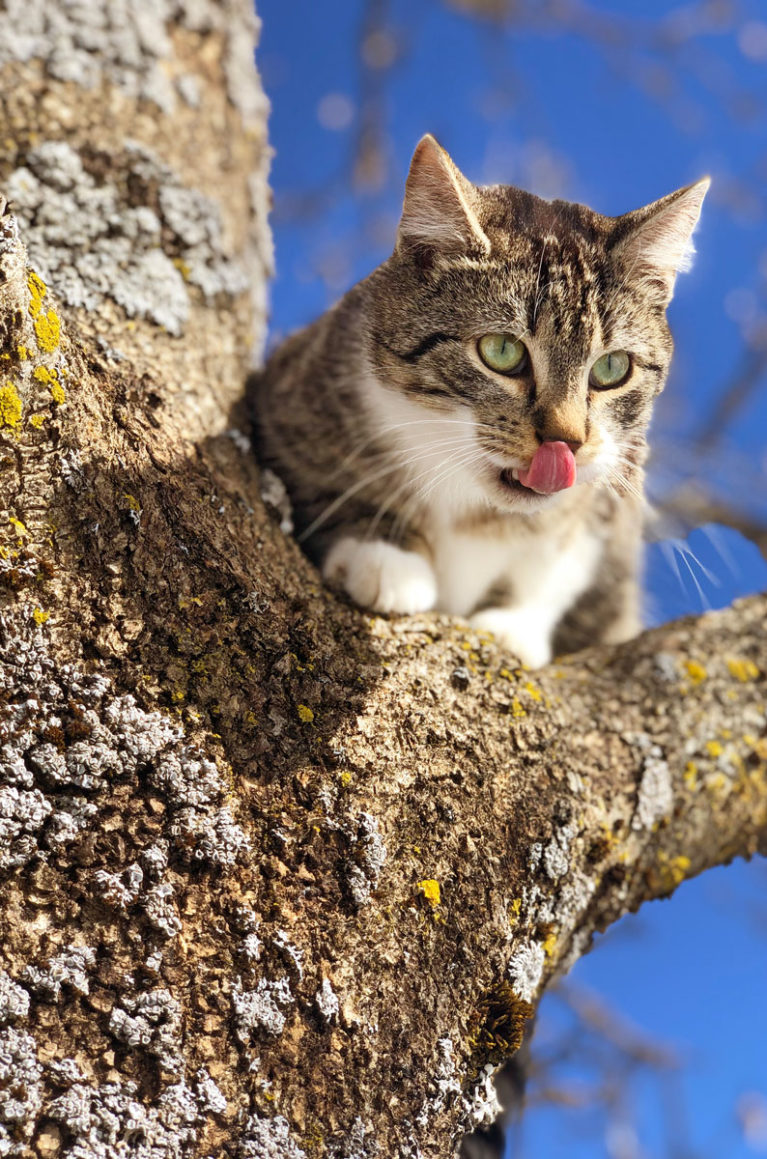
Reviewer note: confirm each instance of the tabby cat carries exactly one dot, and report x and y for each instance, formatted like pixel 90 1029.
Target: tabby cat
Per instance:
pixel 465 429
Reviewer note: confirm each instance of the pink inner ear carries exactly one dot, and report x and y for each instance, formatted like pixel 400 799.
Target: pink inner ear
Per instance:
pixel 552 469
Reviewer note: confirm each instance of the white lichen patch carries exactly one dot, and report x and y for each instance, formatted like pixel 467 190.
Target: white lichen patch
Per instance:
pixel 250 947
pixel 525 970
pixel 326 1001
pixel 20 1089
pixel 209 1095
pixel 23 814
pixel 110 248
pixel 107 1121
pixel 656 793
pixel 14 1000
pixel 481 1106
pixel 93 42
pixel 268 1139
pixel 161 909
pixel 118 890
pixel 291 954
pixel 71 968
pixel 363 870
pixel 151 1022
pixel 446 1083
pixel 261 1008
pixel 554 855
pixel 667 667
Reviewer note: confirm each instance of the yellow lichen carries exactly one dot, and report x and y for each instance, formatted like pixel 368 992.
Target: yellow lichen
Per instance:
pixel 691 774
pixel 305 714
pixel 39 616
pixel 47 324
pixel 514 908
pixel 550 945
pixel 18 526
pixel 37 291
pixel 714 748
pixel 517 709
pixel 10 406
pixel 431 891
pixel 132 502
pixel 742 670
pixel 49 376
pixel 345 778
pixel 532 691
pixel 673 869
pixel 22 353
pixel 695 671
pixel 36 421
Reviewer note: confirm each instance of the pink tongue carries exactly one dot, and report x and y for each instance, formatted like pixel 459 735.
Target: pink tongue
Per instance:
pixel 552 469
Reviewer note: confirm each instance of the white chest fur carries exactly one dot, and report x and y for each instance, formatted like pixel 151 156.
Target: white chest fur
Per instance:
pixel 545 569
pixel 545 574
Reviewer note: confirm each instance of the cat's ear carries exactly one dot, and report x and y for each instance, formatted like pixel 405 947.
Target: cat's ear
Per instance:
pixel 439 214
pixel 654 243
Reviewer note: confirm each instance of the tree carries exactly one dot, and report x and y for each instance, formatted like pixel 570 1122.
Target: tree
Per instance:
pixel 279 878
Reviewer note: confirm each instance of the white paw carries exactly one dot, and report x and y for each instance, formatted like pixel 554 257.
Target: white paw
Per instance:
pixel 380 576
pixel 519 630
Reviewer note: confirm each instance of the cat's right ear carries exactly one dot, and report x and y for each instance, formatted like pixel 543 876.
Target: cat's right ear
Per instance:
pixel 439 214
pixel 654 244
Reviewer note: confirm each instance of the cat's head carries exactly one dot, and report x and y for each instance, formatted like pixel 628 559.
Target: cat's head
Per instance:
pixel 528 332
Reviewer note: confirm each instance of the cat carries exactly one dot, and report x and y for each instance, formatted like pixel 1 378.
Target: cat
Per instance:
pixel 465 430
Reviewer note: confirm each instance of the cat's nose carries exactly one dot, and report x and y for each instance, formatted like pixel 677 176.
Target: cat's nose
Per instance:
pixel 574 444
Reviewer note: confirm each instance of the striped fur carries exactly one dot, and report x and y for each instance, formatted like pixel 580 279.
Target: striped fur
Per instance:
pixel 391 434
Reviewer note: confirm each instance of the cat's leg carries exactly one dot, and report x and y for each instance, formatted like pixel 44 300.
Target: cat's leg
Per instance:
pixel 545 584
pixel 525 630
pixel 380 575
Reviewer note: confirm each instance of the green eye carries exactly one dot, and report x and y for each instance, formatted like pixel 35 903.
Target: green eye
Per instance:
pixel 503 353
pixel 610 370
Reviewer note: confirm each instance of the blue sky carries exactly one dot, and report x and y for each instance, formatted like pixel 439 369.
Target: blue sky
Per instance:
pixel 617 114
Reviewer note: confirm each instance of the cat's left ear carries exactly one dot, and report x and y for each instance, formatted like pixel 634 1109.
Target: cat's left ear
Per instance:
pixel 439 214
pixel 654 243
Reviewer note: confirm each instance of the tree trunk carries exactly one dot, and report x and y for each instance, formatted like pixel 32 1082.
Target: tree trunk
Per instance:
pixel 279 878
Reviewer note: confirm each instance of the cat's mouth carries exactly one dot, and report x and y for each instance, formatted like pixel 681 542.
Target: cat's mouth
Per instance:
pixel 552 468
pixel 511 491
pixel 510 481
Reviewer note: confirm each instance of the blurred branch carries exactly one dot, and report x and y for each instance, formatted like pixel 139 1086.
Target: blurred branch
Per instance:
pixel 695 508
pixel 734 398
pixel 596 1015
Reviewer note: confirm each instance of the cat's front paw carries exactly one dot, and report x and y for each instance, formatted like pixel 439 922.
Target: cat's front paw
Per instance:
pixel 518 630
pixel 380 576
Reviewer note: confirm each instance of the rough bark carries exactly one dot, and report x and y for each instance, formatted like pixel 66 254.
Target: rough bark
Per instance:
pixel 279 878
